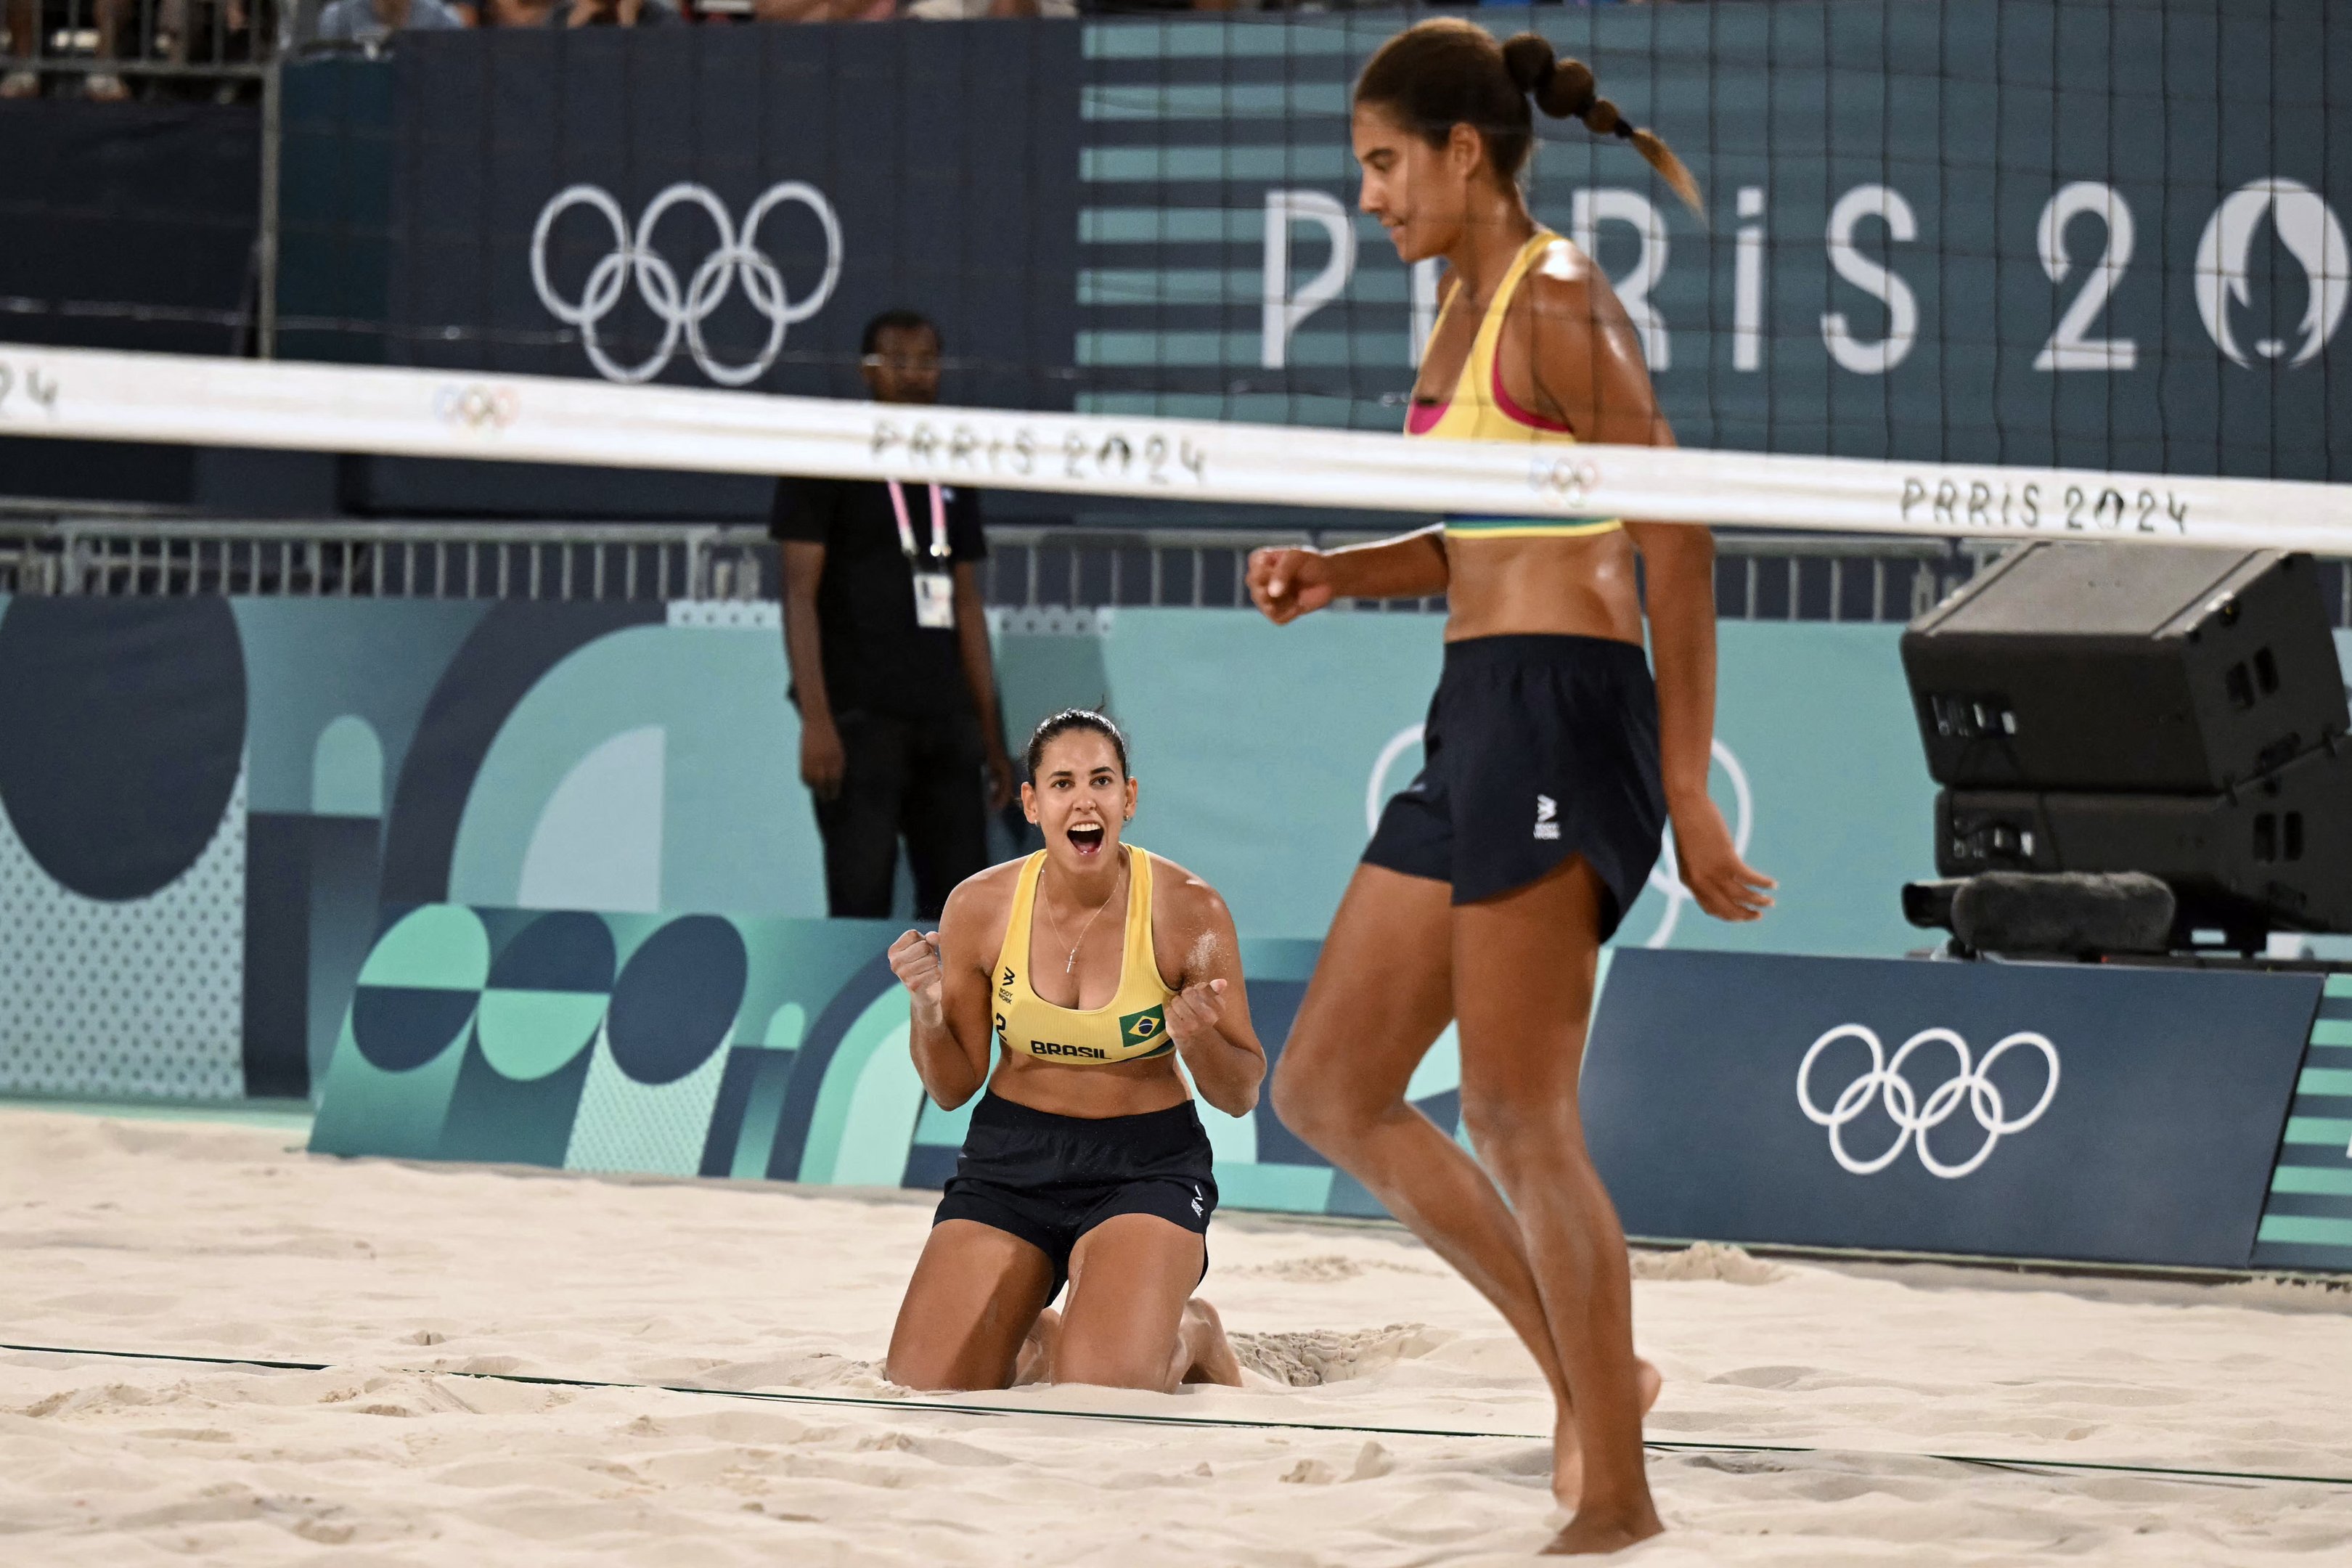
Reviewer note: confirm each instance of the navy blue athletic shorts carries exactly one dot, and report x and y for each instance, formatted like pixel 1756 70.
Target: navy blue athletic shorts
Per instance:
pixel 1050 1179
pixel 1536 748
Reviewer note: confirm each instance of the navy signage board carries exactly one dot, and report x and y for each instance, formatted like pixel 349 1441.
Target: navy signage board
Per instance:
pixel 2092 1113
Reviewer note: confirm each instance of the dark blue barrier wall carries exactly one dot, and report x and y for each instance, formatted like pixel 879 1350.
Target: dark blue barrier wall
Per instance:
pixel 1753 1097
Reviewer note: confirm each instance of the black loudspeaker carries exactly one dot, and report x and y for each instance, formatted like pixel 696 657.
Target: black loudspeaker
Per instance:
pixel 2274 853
pixel 2115 668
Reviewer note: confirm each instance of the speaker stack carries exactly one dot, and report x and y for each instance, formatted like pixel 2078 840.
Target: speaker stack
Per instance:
pixel 2178 713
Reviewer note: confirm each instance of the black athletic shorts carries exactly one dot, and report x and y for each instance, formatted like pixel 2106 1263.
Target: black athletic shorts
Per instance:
pixel 1050 1179
pixel 1536 748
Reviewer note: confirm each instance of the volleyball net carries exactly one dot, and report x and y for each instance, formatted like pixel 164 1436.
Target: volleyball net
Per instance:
pixel 71 394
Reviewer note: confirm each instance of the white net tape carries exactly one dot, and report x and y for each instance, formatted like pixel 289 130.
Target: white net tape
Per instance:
pixel 89 394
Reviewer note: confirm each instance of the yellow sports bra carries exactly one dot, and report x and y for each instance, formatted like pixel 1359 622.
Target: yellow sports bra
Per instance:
pixel 1481 410
pixel 1131 1025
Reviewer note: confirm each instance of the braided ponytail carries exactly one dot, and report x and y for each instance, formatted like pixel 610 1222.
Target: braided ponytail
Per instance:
pixel 1566 90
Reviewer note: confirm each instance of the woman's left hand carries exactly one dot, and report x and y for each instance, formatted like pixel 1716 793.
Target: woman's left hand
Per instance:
pixel 1725 886
pixel 1195 1011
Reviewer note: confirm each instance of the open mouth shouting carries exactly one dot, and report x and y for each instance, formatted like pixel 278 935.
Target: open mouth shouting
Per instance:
pixel 1086 837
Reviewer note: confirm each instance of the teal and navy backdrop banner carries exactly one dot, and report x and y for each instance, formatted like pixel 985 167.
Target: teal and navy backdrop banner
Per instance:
pixel 2106 232
pixel 214 797
pixel 536 881
pixel 2102 232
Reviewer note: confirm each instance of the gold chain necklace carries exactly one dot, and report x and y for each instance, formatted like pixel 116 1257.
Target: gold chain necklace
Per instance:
pixel 1050 921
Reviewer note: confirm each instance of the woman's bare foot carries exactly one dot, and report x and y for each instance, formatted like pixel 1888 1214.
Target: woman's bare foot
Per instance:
pixel 1567 1457
pixel 1208 1355
pixel 1597 1532
pixel 1036 1362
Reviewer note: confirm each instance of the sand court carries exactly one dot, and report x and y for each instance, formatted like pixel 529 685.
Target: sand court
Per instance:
pixel 1390 1419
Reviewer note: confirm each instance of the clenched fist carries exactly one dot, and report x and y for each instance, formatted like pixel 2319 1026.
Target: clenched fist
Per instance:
pixel 915 959
pixel 1285 583
pixel 1195 1011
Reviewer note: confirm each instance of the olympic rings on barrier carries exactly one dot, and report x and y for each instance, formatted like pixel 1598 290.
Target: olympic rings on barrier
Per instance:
pixel 633 257
pixel 477 406
pixel 1885 1080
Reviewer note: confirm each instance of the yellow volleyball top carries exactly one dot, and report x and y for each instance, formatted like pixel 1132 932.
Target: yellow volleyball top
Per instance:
pixel 1131 1025
pixel 1480 410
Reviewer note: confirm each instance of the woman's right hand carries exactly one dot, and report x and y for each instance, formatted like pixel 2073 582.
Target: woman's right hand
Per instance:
pixel 915 959
pixel 824 760
pixel 1286 582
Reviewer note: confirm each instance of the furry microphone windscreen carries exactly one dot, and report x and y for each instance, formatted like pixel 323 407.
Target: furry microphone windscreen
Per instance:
pixel 2063 912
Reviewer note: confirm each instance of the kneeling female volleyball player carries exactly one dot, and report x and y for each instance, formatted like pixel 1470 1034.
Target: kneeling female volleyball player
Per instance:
pixel 1085 1162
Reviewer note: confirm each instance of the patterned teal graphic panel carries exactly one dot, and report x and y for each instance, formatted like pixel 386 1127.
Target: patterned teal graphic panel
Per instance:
pixel 706 1045
pixel 2307 1223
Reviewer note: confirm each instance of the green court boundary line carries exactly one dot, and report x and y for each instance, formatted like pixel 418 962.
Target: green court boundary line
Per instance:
pixel 1224 1422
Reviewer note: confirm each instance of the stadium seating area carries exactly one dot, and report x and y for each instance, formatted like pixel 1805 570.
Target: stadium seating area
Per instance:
pixel 104 49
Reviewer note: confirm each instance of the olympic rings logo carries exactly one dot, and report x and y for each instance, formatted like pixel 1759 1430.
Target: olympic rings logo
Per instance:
pixel 1569 480
pixel 683 311
pixel 477 406
pixel 1912 1117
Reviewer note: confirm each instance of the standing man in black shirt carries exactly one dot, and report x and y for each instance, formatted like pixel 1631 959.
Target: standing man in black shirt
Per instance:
pixel 889 645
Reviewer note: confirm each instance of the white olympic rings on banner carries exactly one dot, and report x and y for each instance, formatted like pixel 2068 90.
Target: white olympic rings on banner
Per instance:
pixel 682 314
pixel 1667 875
pixel 1912 1117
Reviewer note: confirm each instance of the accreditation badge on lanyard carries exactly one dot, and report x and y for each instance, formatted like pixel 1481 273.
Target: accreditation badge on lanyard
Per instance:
pixel 934 586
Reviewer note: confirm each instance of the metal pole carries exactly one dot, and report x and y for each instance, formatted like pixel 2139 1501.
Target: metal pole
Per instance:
pixel 265 325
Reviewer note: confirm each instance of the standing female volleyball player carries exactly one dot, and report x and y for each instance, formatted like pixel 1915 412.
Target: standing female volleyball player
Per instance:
pixel 1093 967
pixel 1553 763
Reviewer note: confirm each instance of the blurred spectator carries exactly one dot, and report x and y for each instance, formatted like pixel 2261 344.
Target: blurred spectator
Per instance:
pixel 611 14
pixel 965 10
pixel 372 21
pixel 27 21
pixel 824 10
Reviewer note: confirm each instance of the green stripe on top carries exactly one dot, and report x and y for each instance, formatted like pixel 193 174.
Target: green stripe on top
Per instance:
pixel 1141 40
pixel 1217 163
pixel 2339 985
pixel 1496 525
pixel 2305 1228
pixel 2311 1179
pixel 2331 1031
pixel 2325 1080
pixel 2335 1130
pixel 1214 100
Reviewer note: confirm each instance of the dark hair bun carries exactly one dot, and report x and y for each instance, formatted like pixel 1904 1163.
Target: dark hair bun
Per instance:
pixel 1561 89
pixel 1530 59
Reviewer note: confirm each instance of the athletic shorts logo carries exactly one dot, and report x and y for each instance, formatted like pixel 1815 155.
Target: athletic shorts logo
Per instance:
pixel 1198 1210
pixel 1913 1116
pixel 1546 817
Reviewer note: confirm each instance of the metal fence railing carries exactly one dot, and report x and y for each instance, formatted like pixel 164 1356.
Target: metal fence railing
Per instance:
pixel 1758 577
pixel 1769 577
pixel 107 49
